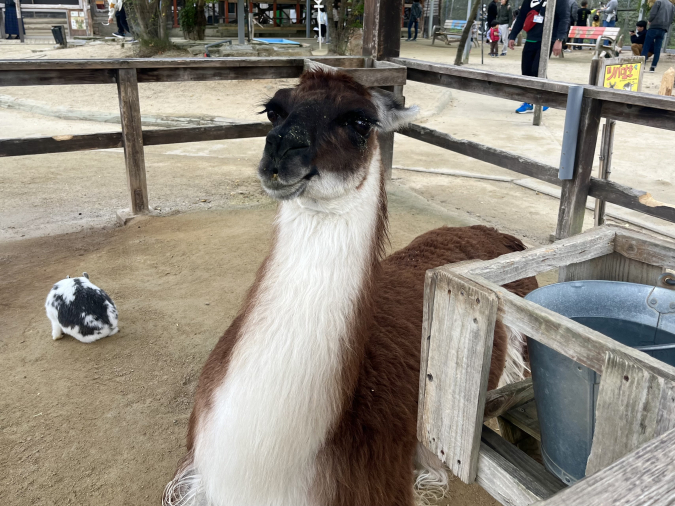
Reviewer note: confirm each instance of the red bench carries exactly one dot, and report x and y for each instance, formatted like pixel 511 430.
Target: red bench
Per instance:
pixel 599 35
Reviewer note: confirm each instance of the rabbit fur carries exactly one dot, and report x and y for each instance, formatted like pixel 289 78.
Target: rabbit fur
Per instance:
pixel 77 307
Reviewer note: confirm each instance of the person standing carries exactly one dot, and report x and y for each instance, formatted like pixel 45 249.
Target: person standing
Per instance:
pixel 637 37
pixel 415 15
pixel 504 17
pixel 574 7
pixel 610 11
pixel 583 15
pixel 116 10
pixel 531 19
pixel 660 19
pixel 492 11
pixel 11 20
pixel 493 37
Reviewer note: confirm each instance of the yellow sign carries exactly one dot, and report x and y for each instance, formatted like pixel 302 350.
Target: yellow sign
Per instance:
pixel 622 76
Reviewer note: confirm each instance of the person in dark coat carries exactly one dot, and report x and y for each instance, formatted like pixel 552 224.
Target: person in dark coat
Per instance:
pixel 11 20
pixel 492 13
pixel 415 15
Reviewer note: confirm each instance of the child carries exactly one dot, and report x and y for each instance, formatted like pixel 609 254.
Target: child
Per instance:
pixel 493 37
pixel 637 39
pixel 583 16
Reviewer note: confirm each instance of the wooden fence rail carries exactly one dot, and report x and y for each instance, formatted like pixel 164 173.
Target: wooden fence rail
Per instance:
pixel 637 108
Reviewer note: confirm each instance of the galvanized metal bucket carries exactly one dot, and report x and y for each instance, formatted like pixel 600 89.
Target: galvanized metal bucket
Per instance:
pixel 639 316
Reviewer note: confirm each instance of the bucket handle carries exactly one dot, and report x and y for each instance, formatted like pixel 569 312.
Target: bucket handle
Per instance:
pixel 666 280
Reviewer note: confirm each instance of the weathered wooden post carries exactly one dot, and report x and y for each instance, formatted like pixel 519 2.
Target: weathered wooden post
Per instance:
pixel 575 191
pixel 381 40
pixel 132 139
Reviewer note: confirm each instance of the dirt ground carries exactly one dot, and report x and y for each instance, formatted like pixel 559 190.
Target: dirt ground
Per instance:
pixel 105 423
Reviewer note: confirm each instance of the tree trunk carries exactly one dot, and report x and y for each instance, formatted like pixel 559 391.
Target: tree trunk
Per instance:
pixel 467 31
pixel 201 20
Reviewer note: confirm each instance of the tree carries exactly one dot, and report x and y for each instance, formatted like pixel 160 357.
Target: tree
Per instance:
pixel 467 31
pixel 349 19
pixel 149 18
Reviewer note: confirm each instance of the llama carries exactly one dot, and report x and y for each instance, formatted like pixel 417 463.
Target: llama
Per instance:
pixel 310 397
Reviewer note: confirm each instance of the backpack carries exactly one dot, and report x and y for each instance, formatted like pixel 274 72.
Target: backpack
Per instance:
pixel 494 34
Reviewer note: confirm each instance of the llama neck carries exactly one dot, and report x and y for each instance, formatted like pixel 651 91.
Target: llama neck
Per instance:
pixel 284 386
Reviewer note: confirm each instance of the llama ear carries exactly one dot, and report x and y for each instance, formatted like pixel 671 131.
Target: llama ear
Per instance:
pixel 392 114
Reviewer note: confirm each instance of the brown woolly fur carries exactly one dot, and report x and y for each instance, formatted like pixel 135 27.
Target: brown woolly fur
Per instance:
pixel 370 455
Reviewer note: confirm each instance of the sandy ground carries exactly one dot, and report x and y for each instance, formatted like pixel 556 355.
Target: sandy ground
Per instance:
pixel 105 423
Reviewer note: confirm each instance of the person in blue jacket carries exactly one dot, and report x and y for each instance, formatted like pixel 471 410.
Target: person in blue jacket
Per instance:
pixel 531 19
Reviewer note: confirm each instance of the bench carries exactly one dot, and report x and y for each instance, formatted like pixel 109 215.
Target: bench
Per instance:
pixel 450 32
pixel 601 35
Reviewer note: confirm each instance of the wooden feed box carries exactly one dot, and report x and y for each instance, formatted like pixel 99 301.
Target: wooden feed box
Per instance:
pixel 632 459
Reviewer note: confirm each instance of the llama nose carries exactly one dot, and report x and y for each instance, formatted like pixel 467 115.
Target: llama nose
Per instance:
pixel 282 144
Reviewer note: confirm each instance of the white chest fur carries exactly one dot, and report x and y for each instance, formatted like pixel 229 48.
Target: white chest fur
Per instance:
pixel 258 444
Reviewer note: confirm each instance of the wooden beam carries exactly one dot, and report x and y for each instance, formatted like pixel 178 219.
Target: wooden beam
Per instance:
pixel 86 142
pixel 132 137
pixel 575 191
pixel 501 400
pixel 456 374
pixel 614 267
pixel 561 334
pixel 645 477
pixel 525 418
pixel 382 28
pixel 510 476
pixel 165 75
pixel 522 264
pixel 645 248
pixel 498 157
pixel 639 115
pixel 634 406
pixel 631 198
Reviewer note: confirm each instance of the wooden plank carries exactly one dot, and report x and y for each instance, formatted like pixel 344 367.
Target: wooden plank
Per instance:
pixel 509 475
pixel 504 481
pixel 525 418
pixel 647 116
pixel 563 335
pixel 645 248
pixel 523 91
pixel 86 142
pixel 610 191
pixel 132 136
pixel 575 191
pixel 631 198
pixel 645 477
pixel 205 133
pixel 543 483
pixel 59 144
pixel 522 264
pixel 430 287
pixel 634 406
pixel 614 267
pixel 456 374
pixel 382 28
pixel 56 77
pixel 164 75
pixel 147 63
pixel 498 157
pixel 503 399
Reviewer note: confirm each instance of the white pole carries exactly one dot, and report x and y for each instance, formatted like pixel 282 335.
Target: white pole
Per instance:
pixel 431 19
pixel 468 9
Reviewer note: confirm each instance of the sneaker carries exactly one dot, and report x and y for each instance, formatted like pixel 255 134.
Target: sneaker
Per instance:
pixel 568 50
pixel 525 108
pixel 652 69
pixel 545 108
pixel 504 53
pixel 118 35
pixel 407 40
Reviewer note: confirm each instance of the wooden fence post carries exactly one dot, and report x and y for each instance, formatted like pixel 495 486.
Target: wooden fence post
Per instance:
pixel 381 40
pixel 132 139
pixel 575 191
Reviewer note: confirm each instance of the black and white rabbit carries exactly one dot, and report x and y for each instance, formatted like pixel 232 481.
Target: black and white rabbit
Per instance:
pixel 81 309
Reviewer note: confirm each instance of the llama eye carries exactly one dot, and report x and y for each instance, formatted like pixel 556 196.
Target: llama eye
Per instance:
pixel 272 116
pixel 361 127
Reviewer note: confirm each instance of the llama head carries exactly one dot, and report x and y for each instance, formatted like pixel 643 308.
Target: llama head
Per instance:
pixel 322 140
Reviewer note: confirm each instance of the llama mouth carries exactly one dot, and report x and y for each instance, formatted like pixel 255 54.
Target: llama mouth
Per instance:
pixel 280 191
